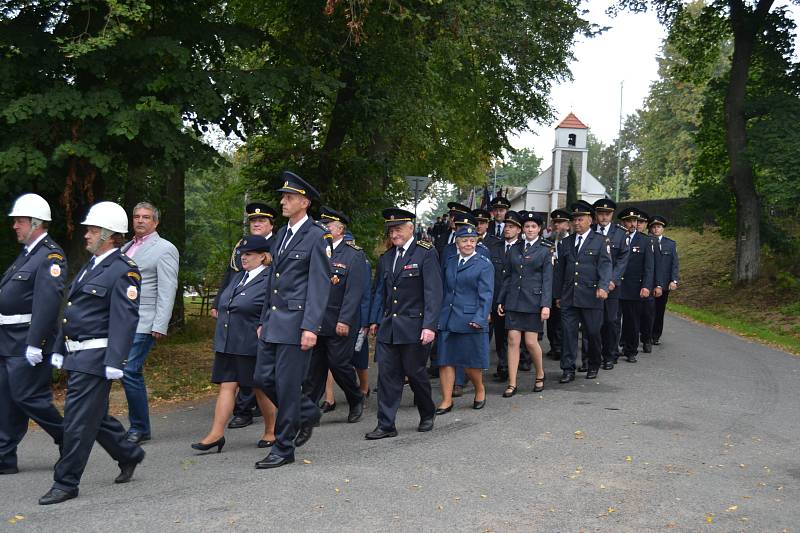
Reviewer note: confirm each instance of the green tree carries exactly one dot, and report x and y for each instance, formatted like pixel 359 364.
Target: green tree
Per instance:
pixel 751 27
pixel 522 166
pixel 572 184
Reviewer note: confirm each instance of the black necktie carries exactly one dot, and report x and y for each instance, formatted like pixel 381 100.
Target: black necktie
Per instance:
pixel 451 239
pixel 461 262
pixel 286 240
pixel 527 247
pixel 578 244
pixel 244 279
pixel 88 268
pixel 498 229
pixel 397 258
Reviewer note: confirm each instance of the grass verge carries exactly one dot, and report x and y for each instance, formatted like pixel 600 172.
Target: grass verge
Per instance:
pixel 746 329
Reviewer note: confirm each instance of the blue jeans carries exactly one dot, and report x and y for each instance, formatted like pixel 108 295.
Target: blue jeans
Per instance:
pixel 133 382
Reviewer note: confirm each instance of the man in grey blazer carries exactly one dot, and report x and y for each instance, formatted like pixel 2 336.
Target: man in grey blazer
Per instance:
pixel 157 259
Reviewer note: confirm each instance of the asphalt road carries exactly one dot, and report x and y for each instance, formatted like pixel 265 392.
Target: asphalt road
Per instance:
pixel 701 435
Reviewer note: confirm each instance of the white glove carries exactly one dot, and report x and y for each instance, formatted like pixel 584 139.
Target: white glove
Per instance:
pixel 113 373
pixel 33 355
pixel 57 360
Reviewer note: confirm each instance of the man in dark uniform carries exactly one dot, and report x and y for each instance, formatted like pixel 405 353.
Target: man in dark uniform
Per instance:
pixel 260 221
pixel 29 292
pixel 559 219
pixel 96 335
pixel 449 236
pixel 666 274
pixel 582 280
pixel 341 323
pixel 649 304
pixel 615 235
pixel 482 218
pixel 512 226
pixel 405 311
pixel 637 282
pixel 297 295
pixel 498 207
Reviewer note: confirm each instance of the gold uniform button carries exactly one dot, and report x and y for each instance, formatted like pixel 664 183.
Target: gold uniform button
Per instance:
pixel 94 291
pixel 226 325
pixel 69 303
pixel 274 308
pixel 576 283
pixel 395 288
pixel 65 321
pixel 277 274
pixel 395 314
pixel 276 291
pixel 395 301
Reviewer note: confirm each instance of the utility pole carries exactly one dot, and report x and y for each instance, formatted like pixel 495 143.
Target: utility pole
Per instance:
pixel 619 144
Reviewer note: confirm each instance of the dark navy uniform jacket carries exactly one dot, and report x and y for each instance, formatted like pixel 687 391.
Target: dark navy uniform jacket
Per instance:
pixel 239 314
pixel 451 251
pixel 346 288
pixel 33 284
pixel 299 285
pixel 467 295
pixel 498 259
pixel 103 305
pixel 579 275
pixel 639 273
pixel 528 278
pixel 234 267
pixel 666 264
pixel 619 255
pixel 409 300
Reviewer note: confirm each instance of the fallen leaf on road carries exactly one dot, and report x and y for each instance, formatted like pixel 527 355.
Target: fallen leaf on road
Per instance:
pixel 347 481
pixel 337 490
pixel 742 465
pixel 439 508
pixel 306 461
pixel 732 508
pixel 709 517
pixel 611 510
pixel 484 496
pixel 602 486
pixel 579 434
pixel 672 525
pixel 414 487
pixel 457 498
pixel 628 458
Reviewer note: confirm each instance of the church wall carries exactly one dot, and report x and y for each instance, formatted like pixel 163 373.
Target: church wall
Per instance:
pixel 577 161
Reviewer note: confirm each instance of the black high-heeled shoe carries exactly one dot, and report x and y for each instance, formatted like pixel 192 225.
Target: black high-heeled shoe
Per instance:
pixel 265 443
pixel 327 407
pixel 219 443
pixel 510 391
pixel 538 384
pixel 444 410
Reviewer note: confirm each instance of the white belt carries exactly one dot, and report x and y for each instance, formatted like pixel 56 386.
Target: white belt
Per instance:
pixel 77 346
pixel 15 319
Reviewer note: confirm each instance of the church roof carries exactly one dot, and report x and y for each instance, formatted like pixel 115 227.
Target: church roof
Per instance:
pixel 572 122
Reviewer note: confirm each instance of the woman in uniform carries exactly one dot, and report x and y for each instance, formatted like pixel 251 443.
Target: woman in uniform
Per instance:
pixel 236 342
pixel 464 319
pixel 525 296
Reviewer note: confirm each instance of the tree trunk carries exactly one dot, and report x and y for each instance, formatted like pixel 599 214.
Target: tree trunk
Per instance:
pixel 745 25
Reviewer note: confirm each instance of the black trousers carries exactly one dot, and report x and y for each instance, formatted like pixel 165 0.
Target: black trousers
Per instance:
pixel 609 332
pixel 281 370
pixel 500 339
pixel 396 362
pixel 631 325
pixel 590 320
pixel 661 308
pixel 25 394
pixel 334 353
pixel 86 419
pixel 245 402
pixel 554 330
pixel 648 318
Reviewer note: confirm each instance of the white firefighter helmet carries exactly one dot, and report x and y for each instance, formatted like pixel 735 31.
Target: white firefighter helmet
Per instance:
pixel 107 215
pixel 31 205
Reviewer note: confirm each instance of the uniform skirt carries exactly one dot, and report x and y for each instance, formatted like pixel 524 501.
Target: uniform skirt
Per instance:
pixel 524 321
pixel 468 350
pixel 233 368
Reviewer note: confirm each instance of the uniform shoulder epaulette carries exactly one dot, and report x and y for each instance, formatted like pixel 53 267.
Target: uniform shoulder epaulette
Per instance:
pixel 50 244
pixel 620 226
pixel 485 258
pixel 128 260
pixel 353 245
pixel 481 244
pixel 425 244
pixel 321 226
pixel 547 242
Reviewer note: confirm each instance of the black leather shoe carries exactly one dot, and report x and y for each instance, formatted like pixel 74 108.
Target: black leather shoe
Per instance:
pixel 608 365
pixel 126 471
pixel 647 348
pixel 379 433
pixel 631 358
pixel 265 443
pixel 444 410
pixel 566 377
pixel 426 424
pixel 219 443
pixel 240 422
pixel 582 369
pixel 591 374
pixel 479 404
pixel 458 391
pixel 356 411
pixel 136 437
pixel 304 435
pixel 327 407
pixel 57 496
pixel 8 470
pixel 656 342
pixel 273 461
